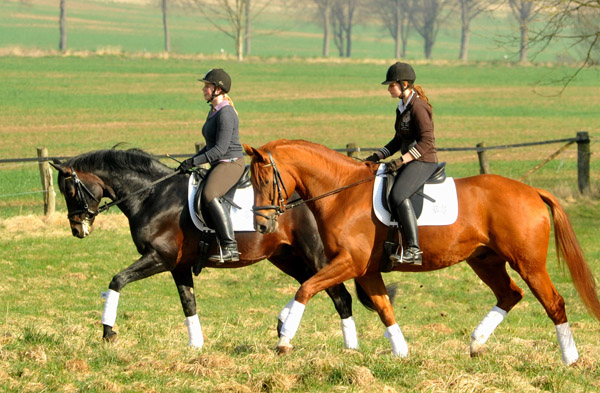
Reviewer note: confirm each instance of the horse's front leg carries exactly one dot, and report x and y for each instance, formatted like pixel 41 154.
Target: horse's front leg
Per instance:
pixel 374 287
pixel 185 286
pixel 336 272
pixel 148 265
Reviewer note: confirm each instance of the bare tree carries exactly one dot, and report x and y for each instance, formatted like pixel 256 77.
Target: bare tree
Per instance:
pixel 469 9
pixel 525 11
pixel 62 22
pixel 165 25
pixel 395 17
pixel 574 22
pixel 342 20
pixel 324 13
pixel 427 16
pixel 238 16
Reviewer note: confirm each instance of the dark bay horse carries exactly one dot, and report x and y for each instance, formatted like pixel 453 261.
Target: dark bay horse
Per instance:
pixel 154 199
pixel 499 220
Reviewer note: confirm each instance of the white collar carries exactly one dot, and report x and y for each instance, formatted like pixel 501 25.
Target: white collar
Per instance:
pixel 401 106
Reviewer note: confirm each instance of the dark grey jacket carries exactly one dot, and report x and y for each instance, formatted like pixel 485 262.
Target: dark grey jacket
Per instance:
pixel 221 133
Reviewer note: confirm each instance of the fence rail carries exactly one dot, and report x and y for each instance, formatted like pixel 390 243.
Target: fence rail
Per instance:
pixel 583 160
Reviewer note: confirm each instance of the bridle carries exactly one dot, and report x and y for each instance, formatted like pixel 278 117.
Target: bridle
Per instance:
pixel 280 206
pixel 81 190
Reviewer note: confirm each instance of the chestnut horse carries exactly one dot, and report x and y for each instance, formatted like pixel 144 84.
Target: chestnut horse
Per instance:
pixel 500 220
pixel 154 199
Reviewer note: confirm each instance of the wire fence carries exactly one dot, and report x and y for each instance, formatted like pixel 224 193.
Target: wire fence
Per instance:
pixel 582 139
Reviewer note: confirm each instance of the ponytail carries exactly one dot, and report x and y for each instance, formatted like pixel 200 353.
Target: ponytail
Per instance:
pixel 228 99
pixel 421 94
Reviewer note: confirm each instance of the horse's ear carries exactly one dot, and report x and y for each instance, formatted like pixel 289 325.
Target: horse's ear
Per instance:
pixel 253 153
pixel 57 164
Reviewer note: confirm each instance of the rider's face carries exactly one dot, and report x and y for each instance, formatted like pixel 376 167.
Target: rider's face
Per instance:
pixel 208 91
pixel 394 90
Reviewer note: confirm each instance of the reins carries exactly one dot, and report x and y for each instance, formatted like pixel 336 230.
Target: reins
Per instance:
pixel 81 188
pixel 281 207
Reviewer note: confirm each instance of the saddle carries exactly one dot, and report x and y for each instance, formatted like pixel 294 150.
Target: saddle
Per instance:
pixel 438 176
pixel 226 200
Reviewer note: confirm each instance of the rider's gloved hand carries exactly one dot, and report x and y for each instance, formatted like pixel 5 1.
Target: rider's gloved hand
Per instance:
pixel 394 165
pixel 373 158
pixel 186 165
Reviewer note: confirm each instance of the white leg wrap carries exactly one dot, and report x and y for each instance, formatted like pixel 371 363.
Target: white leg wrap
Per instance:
pixel 110 307
pixel 567 343
pixel 290 326
pixel 349 333
pixel 399 346
pixel 194 331
pixel 487 326
pixel 286 311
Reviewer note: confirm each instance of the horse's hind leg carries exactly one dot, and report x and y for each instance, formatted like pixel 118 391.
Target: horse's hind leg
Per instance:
pixel 537 278
pixel 491 269
pixel 148 265
pixel 185 286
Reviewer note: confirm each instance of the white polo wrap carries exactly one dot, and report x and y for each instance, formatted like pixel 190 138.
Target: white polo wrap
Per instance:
pixel 567 343
pixel 194 331
pixel 486 327
pixel 110 307
pixel 399 346
pixel 291 323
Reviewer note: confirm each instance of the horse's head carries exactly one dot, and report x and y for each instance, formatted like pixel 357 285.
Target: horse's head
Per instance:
pixel 82 192
pixel 272 188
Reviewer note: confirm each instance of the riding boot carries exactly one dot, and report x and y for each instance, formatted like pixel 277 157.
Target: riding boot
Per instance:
pixel 224 229
pixel 408 220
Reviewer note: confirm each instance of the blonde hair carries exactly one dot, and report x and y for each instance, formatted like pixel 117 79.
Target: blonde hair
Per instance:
pixel 228 99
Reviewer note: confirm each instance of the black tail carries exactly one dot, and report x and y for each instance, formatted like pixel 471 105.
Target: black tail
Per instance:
pixel 392 290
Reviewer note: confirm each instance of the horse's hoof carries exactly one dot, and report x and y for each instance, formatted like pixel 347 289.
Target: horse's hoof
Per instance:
pixel 477 349
pixel 110 337
pixel 284 349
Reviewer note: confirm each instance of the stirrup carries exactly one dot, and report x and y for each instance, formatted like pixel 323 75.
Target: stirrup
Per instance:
pixel 226 255
pixel 410 256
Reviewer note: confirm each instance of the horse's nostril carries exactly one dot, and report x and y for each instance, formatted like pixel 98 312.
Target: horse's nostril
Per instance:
pixel 75 232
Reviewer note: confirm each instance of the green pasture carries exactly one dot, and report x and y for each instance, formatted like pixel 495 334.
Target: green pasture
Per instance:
pixel 75 104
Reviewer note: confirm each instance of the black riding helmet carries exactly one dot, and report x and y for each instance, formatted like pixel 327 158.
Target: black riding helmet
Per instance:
pixel 218 77
pixel 399 72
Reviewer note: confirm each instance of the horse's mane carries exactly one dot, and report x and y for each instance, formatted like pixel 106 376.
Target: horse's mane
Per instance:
pixel 316 149
pixel 117 160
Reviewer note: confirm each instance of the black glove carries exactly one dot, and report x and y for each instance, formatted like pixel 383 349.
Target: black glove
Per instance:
pixel 394 165
pixel 186 165
pixel 373 158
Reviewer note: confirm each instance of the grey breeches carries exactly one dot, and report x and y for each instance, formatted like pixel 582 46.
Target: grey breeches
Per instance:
pixel 409 179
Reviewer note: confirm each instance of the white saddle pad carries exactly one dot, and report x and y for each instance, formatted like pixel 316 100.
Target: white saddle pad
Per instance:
pixel 443 212
pixel 242 219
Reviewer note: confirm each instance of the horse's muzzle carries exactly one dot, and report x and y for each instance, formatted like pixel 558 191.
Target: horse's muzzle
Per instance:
pixel 265 225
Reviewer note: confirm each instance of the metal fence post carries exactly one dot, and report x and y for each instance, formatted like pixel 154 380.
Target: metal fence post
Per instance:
pixel 484 164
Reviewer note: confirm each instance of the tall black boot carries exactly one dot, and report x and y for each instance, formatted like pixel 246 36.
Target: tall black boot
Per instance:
pixel 408 220
pixel 224 228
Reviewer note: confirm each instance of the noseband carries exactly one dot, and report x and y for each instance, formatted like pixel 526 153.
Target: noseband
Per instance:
pixel 278 188
pixel 80 191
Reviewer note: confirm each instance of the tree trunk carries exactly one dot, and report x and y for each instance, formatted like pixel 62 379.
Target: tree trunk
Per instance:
pixel 62 45
pixel 248 47
pixel 326 22
pixel 524 43
pixel 398 32
pixel 166 26
pixel 464 42
pixel 428 47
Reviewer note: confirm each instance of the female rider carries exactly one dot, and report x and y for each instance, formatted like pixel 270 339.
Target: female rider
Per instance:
pixel 415 140
pixel 224 153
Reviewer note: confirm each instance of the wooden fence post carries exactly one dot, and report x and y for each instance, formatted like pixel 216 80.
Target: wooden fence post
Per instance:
pixel 47 181
pixel 352 150
pixel 583 162
pixel 484 164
